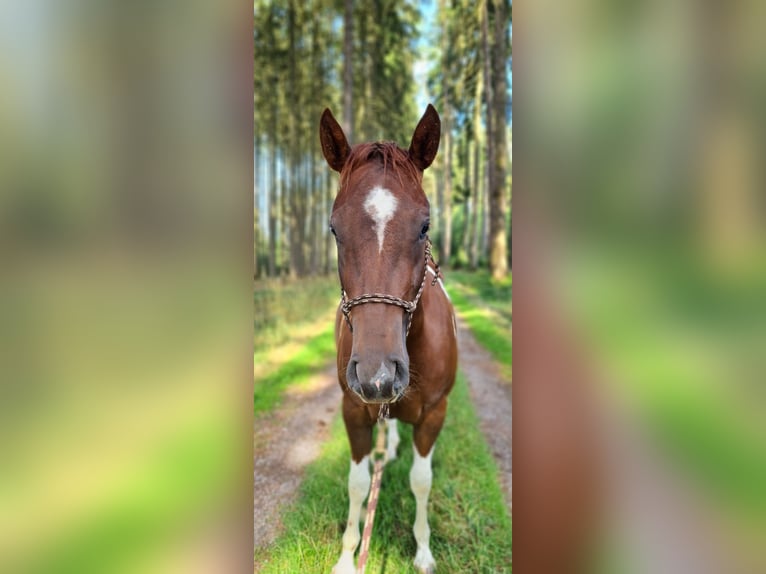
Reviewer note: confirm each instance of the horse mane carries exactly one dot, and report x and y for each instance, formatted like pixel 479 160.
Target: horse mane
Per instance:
pixel 387 154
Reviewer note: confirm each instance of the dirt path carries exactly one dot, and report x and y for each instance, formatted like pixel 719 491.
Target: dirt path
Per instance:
pixel 492 398
pixel 288 439
pixel 285 441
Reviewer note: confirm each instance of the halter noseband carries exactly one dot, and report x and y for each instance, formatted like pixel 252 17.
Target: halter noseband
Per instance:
pixel 409 306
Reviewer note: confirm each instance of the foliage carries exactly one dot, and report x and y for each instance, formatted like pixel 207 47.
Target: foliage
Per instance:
pixel 470 523
pixel 298 68
pixel 469 82
pixel 299 59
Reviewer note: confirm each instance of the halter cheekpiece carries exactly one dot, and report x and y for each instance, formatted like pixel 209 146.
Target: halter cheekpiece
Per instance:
pixel 409 306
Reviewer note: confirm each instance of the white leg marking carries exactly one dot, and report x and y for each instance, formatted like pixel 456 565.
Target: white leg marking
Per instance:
pixel 380 205
pixel 393 439
pixel 358 487
pixel 420 482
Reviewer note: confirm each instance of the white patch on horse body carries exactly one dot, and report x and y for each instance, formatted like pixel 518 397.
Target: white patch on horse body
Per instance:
pixel 358 487
pixel 420 482
pixel 439 281
pixel 392 439
pixel 381 206
pixel 433 272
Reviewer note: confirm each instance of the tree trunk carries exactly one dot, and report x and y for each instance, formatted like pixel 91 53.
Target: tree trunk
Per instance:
pixel 258 190
pixel 489 110
pixel 314 214
pixel 483 247
pixel 478 202
pixel 445 190
pixel 273 197
pixel 328 241
pixel 467 209
pixel 348 66
pixel 446 242
pixel 284 223
pixel 498 261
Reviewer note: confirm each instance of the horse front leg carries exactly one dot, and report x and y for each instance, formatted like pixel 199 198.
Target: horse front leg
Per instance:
pixel 359 429
pixel 424 438
pixel 420 482
pixel 358 487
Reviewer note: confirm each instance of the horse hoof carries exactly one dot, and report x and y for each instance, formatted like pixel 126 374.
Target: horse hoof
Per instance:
pixel 344 566
pixel 424 562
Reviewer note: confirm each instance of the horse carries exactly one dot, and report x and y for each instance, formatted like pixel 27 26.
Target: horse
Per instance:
pixel 395 328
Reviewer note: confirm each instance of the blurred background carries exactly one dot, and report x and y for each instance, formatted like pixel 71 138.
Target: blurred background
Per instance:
pixel 125 290
pixel 639 388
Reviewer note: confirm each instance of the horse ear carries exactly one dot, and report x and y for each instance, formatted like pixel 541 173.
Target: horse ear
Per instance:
pixel 425 140
pixel 334 144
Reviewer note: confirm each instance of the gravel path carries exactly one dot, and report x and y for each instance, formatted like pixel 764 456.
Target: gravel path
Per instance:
pixel 288 439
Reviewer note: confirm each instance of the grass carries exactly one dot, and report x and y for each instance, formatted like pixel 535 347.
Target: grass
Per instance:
pixel 283 305
pixel 470 523
pixel 486 307
pixel 307 360
pixel 293 335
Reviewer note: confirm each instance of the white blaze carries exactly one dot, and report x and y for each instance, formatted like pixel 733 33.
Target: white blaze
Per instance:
pixel 380 205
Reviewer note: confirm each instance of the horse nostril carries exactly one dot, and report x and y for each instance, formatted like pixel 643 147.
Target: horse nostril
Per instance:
pixel 399 385
pixel 352 377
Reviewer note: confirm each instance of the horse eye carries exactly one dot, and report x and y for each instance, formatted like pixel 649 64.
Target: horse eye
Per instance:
pixel 424 230
pixel 332 230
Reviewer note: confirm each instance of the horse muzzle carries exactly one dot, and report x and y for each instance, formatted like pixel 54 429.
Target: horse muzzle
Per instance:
pixel 377 382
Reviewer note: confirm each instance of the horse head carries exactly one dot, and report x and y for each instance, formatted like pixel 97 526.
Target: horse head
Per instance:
pixel 380 221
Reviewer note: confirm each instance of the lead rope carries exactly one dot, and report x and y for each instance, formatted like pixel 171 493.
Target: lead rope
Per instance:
pixel 380 457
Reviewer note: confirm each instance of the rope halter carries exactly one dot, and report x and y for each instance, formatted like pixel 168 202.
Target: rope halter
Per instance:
pixel 408 306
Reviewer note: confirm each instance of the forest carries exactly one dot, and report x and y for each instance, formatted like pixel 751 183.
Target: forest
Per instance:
pixel 376 64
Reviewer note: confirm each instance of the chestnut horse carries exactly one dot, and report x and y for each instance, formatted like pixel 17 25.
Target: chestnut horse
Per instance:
pixel 395 327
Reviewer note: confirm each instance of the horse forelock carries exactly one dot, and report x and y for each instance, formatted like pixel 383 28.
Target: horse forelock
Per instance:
pixel 389 157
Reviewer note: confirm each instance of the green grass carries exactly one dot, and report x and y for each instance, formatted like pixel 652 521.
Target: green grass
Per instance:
pixel 284 308
pixel 486 307
pixel 470 523
pixel 281 305
pixel 308 360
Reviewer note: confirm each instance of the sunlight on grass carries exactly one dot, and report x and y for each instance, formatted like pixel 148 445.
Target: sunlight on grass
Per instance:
pixel 269 358
pixel 284 306
pixel 307 360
